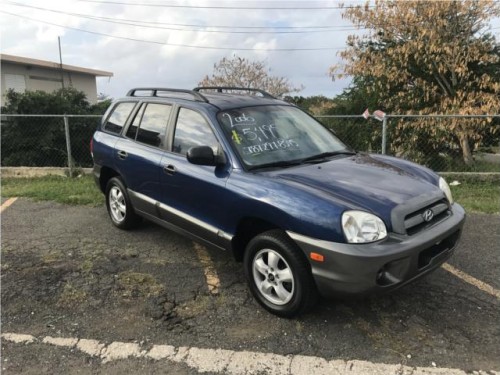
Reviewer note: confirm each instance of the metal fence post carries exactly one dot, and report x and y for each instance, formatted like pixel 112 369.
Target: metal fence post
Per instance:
pixel 384 135
pixel 68 145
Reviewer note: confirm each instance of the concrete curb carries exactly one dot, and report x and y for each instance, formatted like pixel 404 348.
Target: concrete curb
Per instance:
pixel 40 171
pixel 221 361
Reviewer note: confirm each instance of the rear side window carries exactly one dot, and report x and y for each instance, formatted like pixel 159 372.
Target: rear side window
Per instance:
pixel 192 130
pixel 154 124
pixel 132 129
pixel 119 117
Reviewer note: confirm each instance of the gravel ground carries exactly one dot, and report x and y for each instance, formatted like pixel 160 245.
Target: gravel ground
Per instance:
pixel 67 272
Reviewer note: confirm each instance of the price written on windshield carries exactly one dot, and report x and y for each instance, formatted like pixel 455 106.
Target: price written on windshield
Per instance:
pixel 259 133
pixel 257 139
pixel 278 144
pixel 246 126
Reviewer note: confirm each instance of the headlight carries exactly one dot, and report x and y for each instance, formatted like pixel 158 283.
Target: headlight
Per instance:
pixel 443 185
pixel 362 227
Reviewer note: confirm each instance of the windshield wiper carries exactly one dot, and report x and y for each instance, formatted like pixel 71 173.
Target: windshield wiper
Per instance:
pixel 291 163
pixel 325 155
pixel 282 163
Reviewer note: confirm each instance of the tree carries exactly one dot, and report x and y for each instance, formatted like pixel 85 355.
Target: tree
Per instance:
pixel 361 134
pixel 100 107
pixel 241 72
pixel 317 105
pixel 429 57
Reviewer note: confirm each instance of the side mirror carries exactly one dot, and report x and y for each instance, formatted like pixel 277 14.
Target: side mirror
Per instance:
pixel 204 155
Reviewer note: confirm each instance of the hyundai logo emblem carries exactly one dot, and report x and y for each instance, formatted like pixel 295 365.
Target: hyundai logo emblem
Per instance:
pixel 428 215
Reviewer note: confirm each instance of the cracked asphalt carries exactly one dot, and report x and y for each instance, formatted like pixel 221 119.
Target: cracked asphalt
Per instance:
pixel 67 272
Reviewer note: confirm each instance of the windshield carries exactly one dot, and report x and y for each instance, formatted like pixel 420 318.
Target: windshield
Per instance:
pixel 277 135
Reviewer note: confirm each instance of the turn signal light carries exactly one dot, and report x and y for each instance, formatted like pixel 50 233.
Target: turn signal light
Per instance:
pixel 317 257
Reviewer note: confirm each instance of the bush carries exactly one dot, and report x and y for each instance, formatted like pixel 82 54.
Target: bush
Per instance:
pixel 41 141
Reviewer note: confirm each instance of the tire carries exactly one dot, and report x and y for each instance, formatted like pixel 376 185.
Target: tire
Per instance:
pixel 273 255
pixel 119 207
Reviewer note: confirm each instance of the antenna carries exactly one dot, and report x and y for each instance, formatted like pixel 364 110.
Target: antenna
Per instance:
pixel 60 61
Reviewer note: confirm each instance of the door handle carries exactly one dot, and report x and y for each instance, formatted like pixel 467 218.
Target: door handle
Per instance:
pixel 169 169
pixel 122 154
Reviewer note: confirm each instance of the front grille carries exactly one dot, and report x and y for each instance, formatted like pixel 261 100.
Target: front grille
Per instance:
pixel 415 222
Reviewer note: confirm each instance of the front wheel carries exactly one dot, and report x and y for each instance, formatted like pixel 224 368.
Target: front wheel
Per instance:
pixel 279 275
pixel 118 204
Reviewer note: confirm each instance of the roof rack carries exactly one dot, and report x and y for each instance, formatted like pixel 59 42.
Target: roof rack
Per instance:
pixel 154 92
pixel 229 88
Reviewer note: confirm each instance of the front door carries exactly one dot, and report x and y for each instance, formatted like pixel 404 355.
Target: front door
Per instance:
pixel 193 195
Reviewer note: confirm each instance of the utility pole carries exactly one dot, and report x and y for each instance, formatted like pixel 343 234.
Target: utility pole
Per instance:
pixel 60 61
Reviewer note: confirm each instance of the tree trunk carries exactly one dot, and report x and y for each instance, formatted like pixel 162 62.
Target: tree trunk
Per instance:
pixel 466 152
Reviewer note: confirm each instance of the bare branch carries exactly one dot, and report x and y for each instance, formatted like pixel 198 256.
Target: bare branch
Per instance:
pixel 240 72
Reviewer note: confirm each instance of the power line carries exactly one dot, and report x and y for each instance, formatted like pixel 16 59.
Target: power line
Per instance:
pixel 186 25
pixel 147 24
pixel 143 24
pixel 175 44
pixel 215 6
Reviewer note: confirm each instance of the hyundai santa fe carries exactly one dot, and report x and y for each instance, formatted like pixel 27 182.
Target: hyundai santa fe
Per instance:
pixel 239 170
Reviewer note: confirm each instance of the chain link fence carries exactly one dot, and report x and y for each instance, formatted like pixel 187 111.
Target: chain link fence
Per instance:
pixel 47 140
pixel 433 141
pixel 444 143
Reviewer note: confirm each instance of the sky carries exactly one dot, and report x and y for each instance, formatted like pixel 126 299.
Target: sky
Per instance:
pixel 182 40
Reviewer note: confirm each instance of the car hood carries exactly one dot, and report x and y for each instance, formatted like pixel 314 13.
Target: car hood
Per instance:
pixel 361 181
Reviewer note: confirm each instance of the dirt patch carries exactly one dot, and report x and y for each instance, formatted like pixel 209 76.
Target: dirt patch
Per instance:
pixel 71 297
pixel 135 284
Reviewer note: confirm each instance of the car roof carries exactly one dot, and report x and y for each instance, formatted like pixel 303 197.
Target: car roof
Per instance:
pixel 229 101
pixel 215 96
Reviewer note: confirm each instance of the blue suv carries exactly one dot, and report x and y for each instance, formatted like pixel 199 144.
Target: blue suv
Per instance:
pixel 239 170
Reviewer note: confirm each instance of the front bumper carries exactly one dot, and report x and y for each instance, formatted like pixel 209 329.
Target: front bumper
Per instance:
pixel 349 269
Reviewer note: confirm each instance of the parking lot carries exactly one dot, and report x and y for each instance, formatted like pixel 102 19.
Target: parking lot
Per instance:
pixel 68 273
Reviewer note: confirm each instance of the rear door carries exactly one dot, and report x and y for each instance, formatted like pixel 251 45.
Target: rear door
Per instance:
pixel 138 154
pixel 104 141
pixel 193 195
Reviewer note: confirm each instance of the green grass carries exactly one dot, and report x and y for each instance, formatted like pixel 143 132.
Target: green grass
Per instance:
pixel 74 191
pixel 475 196
pixel 479 196
pixel 478 166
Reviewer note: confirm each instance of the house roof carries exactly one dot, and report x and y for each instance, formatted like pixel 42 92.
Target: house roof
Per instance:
pixel 54 65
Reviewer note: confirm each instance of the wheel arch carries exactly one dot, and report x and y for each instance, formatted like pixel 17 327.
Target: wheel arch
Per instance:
pixel 248 228
pixel 105 175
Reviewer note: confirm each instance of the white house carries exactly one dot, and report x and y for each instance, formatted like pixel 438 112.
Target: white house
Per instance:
pixel 23 73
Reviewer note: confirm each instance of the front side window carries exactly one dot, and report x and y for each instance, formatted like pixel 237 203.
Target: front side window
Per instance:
pixel 277 135
pixel 119 117
pixel 192 130
pixel 154 124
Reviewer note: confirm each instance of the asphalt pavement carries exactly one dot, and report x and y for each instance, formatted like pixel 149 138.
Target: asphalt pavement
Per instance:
pixel 67 272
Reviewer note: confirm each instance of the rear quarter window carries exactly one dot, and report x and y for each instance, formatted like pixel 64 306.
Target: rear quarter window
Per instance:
pixel 118 117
